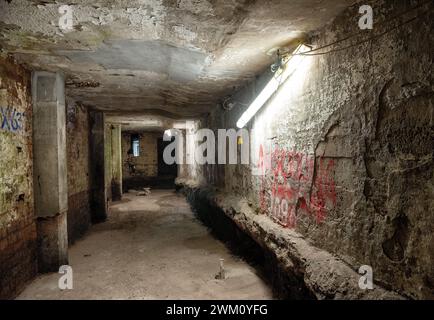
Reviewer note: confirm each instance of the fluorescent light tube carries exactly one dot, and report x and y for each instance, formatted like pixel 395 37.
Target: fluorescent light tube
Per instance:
pixel 272 86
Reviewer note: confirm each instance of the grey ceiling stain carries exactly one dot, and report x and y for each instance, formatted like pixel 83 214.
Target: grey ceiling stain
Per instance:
pixel 180 64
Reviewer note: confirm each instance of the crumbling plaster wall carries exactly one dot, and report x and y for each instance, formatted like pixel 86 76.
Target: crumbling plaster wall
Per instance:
pixel 77 144
pixel 350 138
pixel 18 262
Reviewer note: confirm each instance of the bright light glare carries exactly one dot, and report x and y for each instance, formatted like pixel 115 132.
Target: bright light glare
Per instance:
pixel 168 133
pixel 272 86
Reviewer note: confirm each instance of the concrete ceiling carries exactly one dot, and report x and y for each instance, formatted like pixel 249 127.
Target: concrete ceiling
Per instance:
pixel 174 58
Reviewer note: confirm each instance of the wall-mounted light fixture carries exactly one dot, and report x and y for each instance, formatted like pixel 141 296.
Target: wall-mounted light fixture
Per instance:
pixel 279 77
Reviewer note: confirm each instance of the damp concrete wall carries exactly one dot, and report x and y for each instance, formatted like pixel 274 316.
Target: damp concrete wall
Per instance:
pixel 18 262
pixel 342 154
pixel 77 145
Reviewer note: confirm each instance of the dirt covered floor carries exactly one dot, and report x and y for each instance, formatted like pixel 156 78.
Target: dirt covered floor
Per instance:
pixel 151 247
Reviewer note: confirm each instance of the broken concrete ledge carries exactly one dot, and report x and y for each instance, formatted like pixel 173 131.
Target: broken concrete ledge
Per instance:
pixel 323 275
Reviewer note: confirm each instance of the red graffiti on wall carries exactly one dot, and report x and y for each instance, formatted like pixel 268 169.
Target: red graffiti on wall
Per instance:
pixel 298 183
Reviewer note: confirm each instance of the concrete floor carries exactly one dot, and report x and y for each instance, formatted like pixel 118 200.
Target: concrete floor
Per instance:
pixel 151 247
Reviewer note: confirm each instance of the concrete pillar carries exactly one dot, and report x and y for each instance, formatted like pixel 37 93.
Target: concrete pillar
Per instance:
pixel 49 169
pixel 116 164
pixel 182 166
pixel 108 172
pixel 99 205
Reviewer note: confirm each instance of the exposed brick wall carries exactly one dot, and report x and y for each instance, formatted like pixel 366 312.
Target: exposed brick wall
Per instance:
pixel 77 143
pixel 18 262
